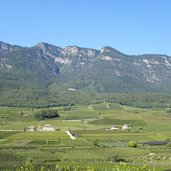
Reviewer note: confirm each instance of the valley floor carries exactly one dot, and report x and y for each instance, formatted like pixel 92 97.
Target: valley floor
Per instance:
pixel 95 145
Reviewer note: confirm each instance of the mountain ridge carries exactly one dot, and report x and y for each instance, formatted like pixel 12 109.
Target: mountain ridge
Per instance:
pixel 46 68
pixel 104 47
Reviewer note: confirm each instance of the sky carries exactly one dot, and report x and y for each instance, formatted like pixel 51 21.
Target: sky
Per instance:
pixel 130 26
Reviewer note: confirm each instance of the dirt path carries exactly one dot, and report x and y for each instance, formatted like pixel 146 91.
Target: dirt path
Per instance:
pixel 70 135
pixel 10 130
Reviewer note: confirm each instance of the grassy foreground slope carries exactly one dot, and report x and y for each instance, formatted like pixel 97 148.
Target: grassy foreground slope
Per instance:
pixel 90 124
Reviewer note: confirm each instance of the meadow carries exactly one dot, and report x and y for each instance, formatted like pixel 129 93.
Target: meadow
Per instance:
pixel 95 146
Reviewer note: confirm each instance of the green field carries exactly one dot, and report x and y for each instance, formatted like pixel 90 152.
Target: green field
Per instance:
pixel 88 124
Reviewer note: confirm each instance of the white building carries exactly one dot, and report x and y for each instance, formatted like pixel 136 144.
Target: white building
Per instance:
pixel 48 128
pixel 125 127
pixel 114 127
pixel 31 128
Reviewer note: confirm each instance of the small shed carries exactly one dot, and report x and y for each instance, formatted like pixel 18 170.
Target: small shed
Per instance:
pixel 114 127
pixel 31 128
pixel 125 127
pixel 48 128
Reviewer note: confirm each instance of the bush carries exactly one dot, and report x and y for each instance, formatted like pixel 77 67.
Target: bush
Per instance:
pixel 46 114
pixel 168 111
pixel 169 144
pixel 167 139
pixel 132 144
pixel 95 142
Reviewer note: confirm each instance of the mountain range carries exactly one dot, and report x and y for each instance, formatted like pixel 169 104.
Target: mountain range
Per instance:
pixel 45 71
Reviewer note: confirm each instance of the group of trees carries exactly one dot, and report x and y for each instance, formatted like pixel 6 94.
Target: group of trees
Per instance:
pixel 142 100
pixel 46 114
pixel 40 99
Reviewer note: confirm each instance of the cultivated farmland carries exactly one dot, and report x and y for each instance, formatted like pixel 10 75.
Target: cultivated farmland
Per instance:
pixel 96 145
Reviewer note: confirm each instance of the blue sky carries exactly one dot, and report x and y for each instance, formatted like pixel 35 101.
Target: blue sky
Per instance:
pixel 131 26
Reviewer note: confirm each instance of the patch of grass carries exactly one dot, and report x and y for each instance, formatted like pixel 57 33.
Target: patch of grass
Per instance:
pixel 5 134
pixel 9 160
pixel 106 106
pixel 39 136
pixel 80 114
pixel 118 122
pixel 43 142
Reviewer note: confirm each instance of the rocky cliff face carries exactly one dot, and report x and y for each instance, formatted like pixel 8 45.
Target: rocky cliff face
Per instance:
pixel 105 70
pixel 7 48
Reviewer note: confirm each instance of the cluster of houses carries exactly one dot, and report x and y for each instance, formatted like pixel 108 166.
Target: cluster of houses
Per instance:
pixel 50 128
pixel 123 127
pixel 44 128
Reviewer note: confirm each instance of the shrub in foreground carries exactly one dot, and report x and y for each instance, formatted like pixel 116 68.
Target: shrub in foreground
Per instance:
pixel 118 167
pixel 132 144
